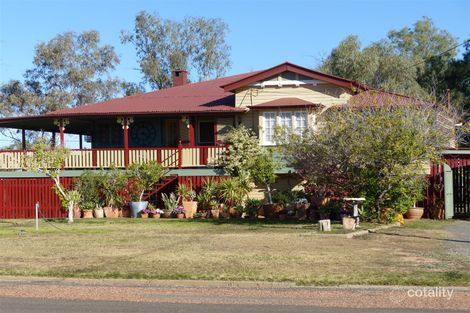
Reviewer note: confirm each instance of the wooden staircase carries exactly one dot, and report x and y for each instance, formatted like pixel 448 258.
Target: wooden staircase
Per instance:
pixel 162 183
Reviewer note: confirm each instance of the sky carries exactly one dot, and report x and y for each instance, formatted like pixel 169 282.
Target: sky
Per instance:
pixel 262 33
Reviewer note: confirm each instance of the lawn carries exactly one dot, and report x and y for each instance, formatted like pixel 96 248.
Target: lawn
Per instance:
pixel 233 250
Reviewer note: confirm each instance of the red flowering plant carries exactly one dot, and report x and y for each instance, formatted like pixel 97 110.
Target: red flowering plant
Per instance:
pixel 132 190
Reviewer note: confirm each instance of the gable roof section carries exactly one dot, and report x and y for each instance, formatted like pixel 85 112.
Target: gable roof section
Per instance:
pixel 286 66
pixel 200 97
pixel 283 103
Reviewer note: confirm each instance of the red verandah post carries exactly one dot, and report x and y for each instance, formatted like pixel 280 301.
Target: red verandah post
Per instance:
pixel 125 122
pixel 180 154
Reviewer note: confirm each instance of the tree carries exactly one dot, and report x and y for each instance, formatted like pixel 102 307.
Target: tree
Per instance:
pixel 49 162
pixel 68 71
pixel 243 149
pixel 73 69
pixel 410 61
pixel 263 171
pixel 378 147
pixel 457 80
pixel 164 45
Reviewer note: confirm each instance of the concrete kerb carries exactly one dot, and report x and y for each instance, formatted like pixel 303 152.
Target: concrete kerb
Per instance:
pixel 372 230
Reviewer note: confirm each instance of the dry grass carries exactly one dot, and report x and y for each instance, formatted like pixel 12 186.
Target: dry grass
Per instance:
pixel 172 249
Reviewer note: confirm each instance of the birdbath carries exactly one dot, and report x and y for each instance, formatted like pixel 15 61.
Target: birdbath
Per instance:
pixel 355 202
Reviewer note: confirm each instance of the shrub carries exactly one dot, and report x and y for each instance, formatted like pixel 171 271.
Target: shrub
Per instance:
pixel 376 147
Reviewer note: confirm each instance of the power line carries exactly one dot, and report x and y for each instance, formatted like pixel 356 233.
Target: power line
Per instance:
pixel 438 55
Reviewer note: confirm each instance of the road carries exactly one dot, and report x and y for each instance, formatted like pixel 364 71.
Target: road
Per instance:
pixel 28 295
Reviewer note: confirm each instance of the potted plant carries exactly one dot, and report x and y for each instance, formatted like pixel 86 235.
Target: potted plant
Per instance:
pixel 280 200
pixel 179 212
pixel 414 213
pixel 87 212
pixel 170 202
pixel 113 183
pixel 156 213
pixel 349 223
pixel 232 191
pixel 252 207
pixel 88 185
pixel 187 195
pixel 142 177
pixel 215 209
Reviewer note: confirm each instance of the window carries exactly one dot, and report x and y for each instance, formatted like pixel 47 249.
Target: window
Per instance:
pixel 296 121
pixel 269 127
pixel 285 120
pixel 206 133
pixel 300 122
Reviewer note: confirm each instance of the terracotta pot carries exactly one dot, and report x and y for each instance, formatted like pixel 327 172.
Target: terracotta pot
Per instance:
pixel 302 211
pixel 232 212
pixel 77 213
pixel 349 223
pixel 87 213
pixel 272 210
pixel 414 213
pixel 111 212
pixel 98 213
pixel 190 208
pixel 215 214
pixel 144 215
pixel 156 215
pixel 125 213
pixel 180 215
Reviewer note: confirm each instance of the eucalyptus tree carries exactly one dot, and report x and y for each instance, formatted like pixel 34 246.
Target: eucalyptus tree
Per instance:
pixel 162 45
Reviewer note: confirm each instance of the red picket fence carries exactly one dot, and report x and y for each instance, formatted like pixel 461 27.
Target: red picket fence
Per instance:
pixel 18 197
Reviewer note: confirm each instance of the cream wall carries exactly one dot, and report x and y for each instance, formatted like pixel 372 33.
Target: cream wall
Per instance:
pixel 324 94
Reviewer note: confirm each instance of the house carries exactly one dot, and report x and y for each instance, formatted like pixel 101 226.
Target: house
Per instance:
pixel 182 127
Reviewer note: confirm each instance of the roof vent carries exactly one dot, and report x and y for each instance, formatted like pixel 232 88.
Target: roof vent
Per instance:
pixel 179 77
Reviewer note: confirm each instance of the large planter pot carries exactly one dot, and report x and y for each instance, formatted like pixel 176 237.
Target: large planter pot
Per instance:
pixel 272 210
pixel 87 213
pixel 126 213
pixel 215 214
pixel 349 223
pixel 111 212
pixel 414 213
pixel 167 214
pixel 190 208
pixel 98 213
pixel 77 213
pixel 232 211
pixel 137 206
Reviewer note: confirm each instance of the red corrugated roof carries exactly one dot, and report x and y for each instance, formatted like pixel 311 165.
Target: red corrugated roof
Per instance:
pixel 284 102
pixel 206 96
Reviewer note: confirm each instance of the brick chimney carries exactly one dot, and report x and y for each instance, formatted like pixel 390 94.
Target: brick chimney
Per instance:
pixel 179 77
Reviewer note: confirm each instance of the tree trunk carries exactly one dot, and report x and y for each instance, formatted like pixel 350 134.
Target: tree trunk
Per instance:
pixel 270 198
pixel 70 212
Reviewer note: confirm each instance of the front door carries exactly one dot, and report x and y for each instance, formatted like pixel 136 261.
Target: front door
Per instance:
pixel 206 133
pixel 172 132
